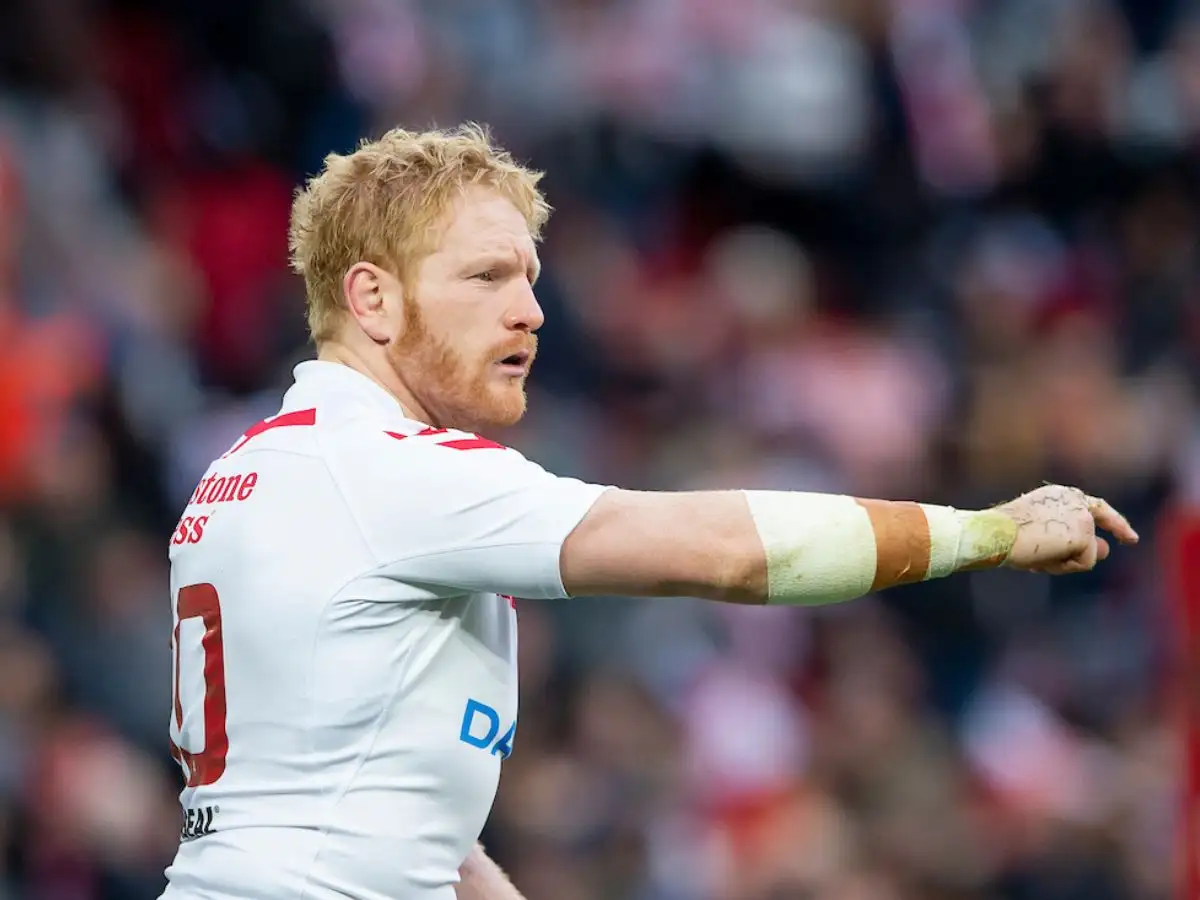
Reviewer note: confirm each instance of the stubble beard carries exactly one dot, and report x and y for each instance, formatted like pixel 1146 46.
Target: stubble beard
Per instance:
pixel 455 393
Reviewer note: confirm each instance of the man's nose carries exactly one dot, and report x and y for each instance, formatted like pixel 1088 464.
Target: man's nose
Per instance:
pixel 525 314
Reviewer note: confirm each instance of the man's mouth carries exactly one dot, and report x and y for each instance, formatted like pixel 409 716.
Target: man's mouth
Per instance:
pixel 516 363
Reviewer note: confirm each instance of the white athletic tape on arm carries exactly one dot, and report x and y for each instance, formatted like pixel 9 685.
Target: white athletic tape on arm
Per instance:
pixel 825 548
pixel 945 539
pixel 820 547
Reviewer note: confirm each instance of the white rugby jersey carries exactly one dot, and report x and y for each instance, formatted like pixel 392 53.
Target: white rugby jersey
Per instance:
pixel 345 645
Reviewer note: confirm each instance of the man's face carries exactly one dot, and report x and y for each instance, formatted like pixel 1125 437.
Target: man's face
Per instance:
pixel 470 317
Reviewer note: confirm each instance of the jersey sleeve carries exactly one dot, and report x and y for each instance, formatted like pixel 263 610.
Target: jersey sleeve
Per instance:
pixel 457 511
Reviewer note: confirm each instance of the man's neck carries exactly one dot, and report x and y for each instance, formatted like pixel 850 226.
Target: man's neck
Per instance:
pixel 379 371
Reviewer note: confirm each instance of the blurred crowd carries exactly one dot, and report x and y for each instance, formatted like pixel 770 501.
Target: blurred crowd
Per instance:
pixel 935 249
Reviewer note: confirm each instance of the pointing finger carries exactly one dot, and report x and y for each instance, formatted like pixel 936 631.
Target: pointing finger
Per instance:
pixel 1111 521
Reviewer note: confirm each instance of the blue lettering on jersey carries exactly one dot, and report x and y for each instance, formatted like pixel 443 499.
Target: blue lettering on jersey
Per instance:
pixel 481 724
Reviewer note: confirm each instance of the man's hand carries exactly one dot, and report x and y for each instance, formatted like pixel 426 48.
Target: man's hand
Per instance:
pixel 482 879
pixel 1056 530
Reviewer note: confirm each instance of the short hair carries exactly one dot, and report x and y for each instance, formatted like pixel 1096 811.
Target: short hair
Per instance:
pixel 383 204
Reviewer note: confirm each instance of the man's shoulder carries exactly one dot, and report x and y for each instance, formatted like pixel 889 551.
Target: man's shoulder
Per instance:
pixel 412 451
pixel 374 443
pixel 363 428
pixel 316 428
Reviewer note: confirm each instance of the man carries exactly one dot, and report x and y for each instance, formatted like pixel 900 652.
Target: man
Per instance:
pixel 345 639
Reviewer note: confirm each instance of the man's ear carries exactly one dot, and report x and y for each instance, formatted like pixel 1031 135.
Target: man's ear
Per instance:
pixel 368 290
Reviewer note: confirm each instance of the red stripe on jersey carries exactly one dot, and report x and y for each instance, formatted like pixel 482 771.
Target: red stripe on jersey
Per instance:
pixel 475 443
pixel 472 443
pixel 300 417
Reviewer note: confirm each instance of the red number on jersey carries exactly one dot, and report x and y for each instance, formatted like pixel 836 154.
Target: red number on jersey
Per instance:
pixel 200 601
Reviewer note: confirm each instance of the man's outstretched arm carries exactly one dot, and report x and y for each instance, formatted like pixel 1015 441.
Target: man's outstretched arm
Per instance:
pixel 800 548
pixel 478 517
pixel 482 879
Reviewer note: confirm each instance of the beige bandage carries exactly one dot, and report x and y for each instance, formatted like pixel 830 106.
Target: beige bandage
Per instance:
pixel 824 548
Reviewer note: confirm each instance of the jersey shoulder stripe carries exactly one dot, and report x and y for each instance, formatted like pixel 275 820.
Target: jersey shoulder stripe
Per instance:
pixel 466 442
pixel 297 418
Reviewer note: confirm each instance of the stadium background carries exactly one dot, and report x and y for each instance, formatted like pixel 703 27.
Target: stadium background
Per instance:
pixel 921 248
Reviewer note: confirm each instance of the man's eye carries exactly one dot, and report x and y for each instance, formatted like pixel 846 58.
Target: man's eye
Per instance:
pixel 485 276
